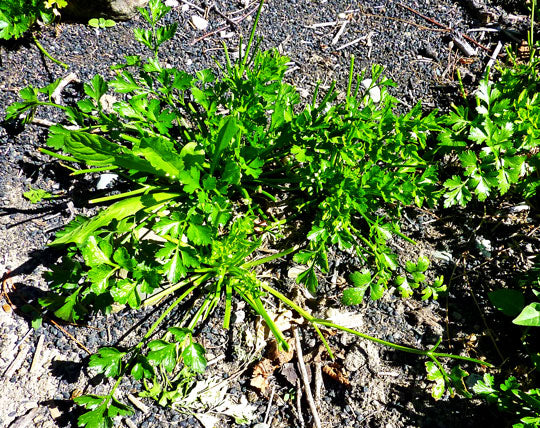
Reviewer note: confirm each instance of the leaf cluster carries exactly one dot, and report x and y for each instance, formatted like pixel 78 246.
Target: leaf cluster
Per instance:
pixel 18 16
pixel 497 141
pixel 511 397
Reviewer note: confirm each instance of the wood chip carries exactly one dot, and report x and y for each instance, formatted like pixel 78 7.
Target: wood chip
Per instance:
pixel 55 413
pixel 138 403
pixel 130 423
pixel 36 362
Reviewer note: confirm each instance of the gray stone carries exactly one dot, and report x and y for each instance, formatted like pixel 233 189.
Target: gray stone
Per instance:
pixel 115 9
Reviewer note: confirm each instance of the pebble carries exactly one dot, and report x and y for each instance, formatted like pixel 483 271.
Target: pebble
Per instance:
pixel 199 22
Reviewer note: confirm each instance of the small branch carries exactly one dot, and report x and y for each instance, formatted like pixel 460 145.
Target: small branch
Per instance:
pixel 438 24
pixel 303 372
pixel 269 407
pixel 494 56
pixel 68 334
pixel 340 32
pixel 299 403
pixel 56 95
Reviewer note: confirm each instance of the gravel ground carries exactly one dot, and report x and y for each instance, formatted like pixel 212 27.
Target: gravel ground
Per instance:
pixel 382 388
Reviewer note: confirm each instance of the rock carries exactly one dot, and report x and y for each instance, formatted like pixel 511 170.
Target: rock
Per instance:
pixel 199 22
pixel 115 9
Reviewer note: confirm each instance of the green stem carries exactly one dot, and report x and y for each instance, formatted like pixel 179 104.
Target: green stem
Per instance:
pixel 91 170
pixel 47 54
pixel 121 195
pixel 310 318
pixel 167 312
pixel 251 36
pixel 57 156
pixel 197 279
pixel 351 73
pixel 269 258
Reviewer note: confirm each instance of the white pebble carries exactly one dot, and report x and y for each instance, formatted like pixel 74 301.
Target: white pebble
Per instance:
pixel 199 22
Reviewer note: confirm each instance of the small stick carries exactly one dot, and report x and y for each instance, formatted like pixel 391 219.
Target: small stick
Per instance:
pixel 47 123
pixel 493 58
pixel 463 46
pixel 17 362
pixel 194 6
pixel 37 358
pixel 56 95
pixel 339 33
pixel 68 334
pixel 233 24
pixel 130 423
pixel 211 33
pixel 355 41
pixel 322 24
pixel 299 403
pixel 438 24
pixel 138 404
pixel 215 360
pixel 318 382
pixel 267 414
pixel 303 371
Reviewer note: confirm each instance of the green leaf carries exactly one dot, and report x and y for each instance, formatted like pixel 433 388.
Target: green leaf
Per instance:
pixel 36 195
pixel 193 356
pixel 303 256
pixel 125 291
pixel 162 353
pixel 174 268
pixel 509 302
pixel 529 316
pixel 99 277
pixel 422 264
pixel 404 287
pixel 95 253
pixel 228 129
pixel 96 89
pixel 309 279
pixel 435 375
pixel 361 279
pixel 116 211
pixel 96 418
pixel 68 311
pixel 353 295
pixel 179 333
pixel 116 408
pixel 107 361
pixel 232 173
pixel 485 387
pixel 165 33
pixel 199 235
pixel 142 369
pixel 190 179
pixel 125 82
pixel 376 290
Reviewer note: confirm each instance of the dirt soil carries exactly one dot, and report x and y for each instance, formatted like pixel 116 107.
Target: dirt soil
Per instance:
pixel 367 385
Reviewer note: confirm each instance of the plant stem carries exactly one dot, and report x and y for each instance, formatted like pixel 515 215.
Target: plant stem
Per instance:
pixel 251 36
pixel 310 318
pixel 269 258
pixel 197 279
pixel 47 54
pixel 121 195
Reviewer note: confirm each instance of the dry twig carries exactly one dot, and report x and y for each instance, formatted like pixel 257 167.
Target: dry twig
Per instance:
pixel 303 372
